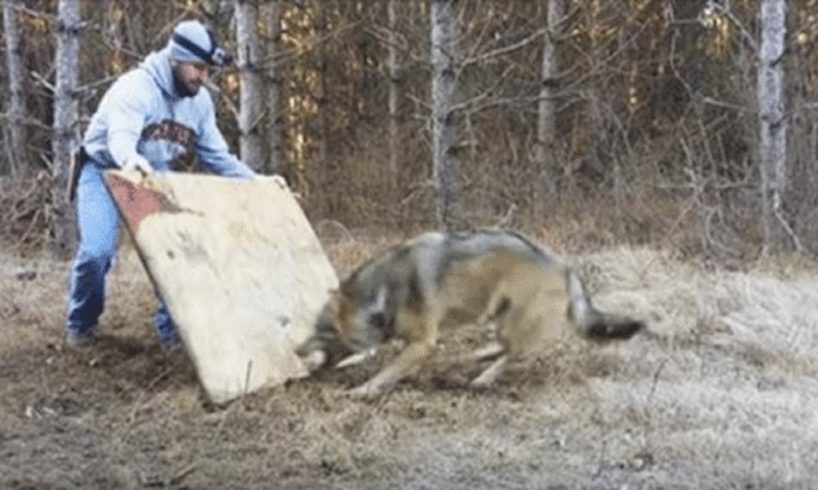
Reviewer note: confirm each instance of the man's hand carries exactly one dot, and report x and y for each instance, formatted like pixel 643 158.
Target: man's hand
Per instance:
pixel 138 163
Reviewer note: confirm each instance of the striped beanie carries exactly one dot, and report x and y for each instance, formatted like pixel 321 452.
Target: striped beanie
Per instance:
pixel 192 42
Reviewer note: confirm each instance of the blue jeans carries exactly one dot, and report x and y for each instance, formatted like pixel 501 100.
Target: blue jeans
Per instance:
pixel 98 224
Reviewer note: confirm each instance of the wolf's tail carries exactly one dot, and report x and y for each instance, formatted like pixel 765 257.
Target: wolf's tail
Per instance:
pixel 592 323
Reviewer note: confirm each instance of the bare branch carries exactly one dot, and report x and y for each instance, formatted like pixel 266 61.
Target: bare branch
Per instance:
pixel 504 50
pixel 42 81
pixel 727 105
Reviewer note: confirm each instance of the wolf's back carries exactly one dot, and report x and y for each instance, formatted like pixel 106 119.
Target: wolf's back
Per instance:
pixel 489 241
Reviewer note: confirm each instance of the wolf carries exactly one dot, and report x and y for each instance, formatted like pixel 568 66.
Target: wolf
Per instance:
pixel 484 277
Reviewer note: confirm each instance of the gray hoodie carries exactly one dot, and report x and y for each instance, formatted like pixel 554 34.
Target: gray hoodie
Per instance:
pixel 142 113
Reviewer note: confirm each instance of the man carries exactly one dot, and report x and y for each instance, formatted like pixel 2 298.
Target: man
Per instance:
pixel 148 117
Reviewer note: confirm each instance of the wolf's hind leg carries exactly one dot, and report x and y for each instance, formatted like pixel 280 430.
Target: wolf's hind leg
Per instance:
pixel 515 329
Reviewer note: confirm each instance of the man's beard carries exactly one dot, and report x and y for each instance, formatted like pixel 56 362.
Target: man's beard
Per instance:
pixel 181 88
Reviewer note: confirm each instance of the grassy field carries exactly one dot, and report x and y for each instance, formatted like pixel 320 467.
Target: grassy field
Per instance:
pixel 720 392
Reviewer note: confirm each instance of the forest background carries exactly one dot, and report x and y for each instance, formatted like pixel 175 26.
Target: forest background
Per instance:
pixel 684 123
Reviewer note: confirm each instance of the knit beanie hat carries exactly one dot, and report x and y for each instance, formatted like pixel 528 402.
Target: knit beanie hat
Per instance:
pixel 192 42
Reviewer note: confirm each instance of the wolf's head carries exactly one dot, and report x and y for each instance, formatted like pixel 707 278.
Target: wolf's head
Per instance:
pixel 347 324
pixel 323 347
pixel 363 321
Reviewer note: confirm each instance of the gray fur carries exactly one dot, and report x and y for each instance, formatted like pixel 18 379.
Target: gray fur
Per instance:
pixel 485 276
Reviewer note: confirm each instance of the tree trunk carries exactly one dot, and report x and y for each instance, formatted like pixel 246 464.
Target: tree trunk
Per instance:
pixel 66 134
pixel 321 92
pixel 251 99
pixel 17 101
pixel 220 9
pixel 395 91
pixel 444 129
pixel 275 90
pixel 772 122
pixel 546 121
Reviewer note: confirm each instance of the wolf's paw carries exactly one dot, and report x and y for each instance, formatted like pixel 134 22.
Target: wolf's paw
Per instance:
pixel 355 359
pixel 365 392
pixel 314 360
pixel 480 383
pixel 486 380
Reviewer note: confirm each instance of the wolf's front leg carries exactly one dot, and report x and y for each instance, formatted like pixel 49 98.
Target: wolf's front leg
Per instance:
pixel 490 375
pixel 407 363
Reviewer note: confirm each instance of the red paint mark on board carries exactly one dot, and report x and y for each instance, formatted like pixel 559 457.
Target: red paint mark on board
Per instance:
pixel 135 200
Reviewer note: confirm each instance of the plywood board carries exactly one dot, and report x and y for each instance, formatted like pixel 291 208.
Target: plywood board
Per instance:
pixel 239 267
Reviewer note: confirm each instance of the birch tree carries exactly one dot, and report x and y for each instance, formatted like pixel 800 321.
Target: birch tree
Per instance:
pixel 772 121
pixel 321 89
pixel 546 111
pixel 394 63
pixel 444 130
pixel 251 98
pixel 66 136
pixel 275 90
pixel 17 101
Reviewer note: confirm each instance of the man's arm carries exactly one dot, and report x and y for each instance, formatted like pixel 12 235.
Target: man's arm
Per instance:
pixel 126 110
pixel 212 148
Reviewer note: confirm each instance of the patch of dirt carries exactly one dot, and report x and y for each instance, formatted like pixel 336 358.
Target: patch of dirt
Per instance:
pixel 719 393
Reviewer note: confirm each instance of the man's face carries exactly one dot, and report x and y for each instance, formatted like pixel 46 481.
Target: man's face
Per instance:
pixel 191 75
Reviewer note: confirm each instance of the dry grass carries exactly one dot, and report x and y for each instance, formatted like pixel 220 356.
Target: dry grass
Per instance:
pixel 720 393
